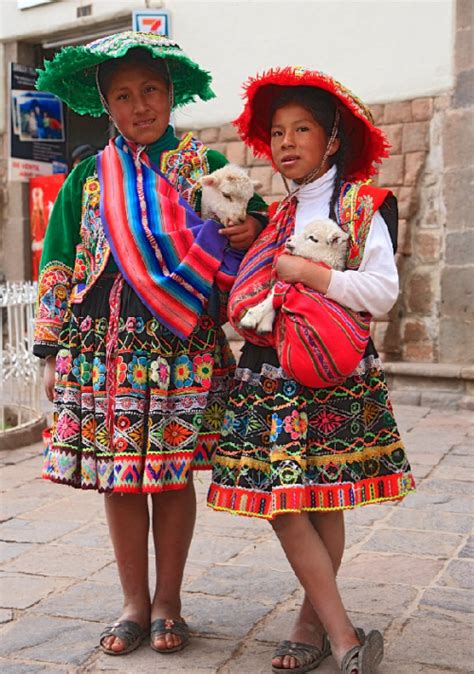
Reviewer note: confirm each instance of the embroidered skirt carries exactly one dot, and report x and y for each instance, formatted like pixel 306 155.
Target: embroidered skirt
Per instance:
pixel 288 448
pixel 158 414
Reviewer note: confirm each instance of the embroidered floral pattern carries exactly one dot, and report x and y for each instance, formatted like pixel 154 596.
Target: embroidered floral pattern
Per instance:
pixel 81 369
pixel 54 286
pixel 328 421
pixel 137 372
pixel 159 372
pixel 93 251
pixel 176 434
pixel 355 212
pixel 300 453
pixel 203 367
pixel 275 427
pixel 63 363
pixel 214 415
pixel 227 422
pixel 98 373
pixel 182 372
pixel 121 370
pixel 185 165
pixel 296 424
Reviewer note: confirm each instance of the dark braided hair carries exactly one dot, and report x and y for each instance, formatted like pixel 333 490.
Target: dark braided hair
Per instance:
pixel 322 106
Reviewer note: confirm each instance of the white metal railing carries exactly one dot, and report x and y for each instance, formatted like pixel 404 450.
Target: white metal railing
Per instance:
pixel 20 392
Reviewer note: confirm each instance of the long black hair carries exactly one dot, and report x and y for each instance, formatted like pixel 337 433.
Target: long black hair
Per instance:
pixel 323 108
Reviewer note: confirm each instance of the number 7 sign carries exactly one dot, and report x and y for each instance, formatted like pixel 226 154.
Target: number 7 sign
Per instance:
pixel 152 21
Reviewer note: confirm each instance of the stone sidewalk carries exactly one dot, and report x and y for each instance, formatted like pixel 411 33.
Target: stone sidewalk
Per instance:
pixel 407 570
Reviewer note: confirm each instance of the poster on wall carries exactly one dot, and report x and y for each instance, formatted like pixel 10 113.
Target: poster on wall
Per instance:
pixel 37 128
pixel 43 193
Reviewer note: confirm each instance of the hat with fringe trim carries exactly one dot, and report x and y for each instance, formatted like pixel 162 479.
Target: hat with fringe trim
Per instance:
pixel 71 74
pixel 368 144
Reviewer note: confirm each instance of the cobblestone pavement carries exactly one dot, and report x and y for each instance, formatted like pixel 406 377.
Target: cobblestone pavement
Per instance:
pixel 407 570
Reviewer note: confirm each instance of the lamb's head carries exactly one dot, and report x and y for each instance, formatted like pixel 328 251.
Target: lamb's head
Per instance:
pixel 226 193
pixel 320 241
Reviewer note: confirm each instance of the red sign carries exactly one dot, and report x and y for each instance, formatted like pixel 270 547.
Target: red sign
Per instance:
pixel 151 21
pixel 43 193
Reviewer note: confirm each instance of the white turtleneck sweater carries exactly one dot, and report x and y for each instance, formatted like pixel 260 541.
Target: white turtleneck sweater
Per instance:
pixel 374 286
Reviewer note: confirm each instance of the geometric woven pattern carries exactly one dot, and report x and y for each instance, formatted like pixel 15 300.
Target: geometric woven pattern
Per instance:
pixel 169 402
pixel 289 448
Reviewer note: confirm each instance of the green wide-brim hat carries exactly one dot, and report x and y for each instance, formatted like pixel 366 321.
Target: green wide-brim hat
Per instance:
pixel 71 74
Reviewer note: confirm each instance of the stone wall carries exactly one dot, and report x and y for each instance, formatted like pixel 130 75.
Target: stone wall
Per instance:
pixel 417 174
pixel 456 318
pixel 3 205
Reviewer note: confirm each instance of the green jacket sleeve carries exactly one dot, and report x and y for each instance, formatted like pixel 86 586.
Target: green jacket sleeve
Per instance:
pixel 57 260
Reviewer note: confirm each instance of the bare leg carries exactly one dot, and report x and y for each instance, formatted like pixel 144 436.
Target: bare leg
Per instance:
pixel 308 629
pixel 128 520
pixel 315 571
pixel 174 514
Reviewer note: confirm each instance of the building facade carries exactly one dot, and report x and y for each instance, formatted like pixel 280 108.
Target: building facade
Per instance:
pixel 419 83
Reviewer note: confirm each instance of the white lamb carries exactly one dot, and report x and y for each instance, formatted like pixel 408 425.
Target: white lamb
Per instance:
pixel 226 193
pixel 319 241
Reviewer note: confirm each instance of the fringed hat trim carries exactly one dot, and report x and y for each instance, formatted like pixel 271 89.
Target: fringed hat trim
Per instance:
pixel 71 74
pixel 368 144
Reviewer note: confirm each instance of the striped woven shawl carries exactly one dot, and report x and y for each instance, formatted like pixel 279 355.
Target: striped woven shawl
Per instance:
pixel 167 254
pixel 319 342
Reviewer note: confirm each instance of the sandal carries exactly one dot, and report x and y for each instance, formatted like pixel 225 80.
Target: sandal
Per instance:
pixel 308 656
pixel 364 658
pixel 128 631
pixel 163 626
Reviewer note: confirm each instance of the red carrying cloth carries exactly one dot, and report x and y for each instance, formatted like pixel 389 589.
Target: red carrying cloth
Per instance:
pixel 318 341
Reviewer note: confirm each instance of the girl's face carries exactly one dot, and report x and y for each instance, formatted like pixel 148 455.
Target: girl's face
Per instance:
pixel 138 101
pixel 298 142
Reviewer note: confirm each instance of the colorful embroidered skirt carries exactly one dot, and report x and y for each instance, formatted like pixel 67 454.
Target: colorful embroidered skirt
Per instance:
pixel 168 401
pixel 288 448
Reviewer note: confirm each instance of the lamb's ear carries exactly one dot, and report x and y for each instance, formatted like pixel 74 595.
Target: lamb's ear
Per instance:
pixel 256 184
pixel 209 181
pixel 336 238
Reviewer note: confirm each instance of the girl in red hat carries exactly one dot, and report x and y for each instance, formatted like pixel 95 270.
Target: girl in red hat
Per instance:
pixel 295 454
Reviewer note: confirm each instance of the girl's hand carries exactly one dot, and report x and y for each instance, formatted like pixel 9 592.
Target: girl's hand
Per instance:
pixel 242 235
pixel 49 377
pixel 295 269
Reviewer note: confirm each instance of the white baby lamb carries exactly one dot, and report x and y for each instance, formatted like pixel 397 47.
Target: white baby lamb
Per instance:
pixel 226 193
pixel 319 241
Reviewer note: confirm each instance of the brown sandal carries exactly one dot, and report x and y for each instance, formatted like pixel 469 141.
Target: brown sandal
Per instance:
pixel 163 626
pixel 366 657
pixel 308 656
pixel 127 631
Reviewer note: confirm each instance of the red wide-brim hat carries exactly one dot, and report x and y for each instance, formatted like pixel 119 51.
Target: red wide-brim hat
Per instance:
pixel 368 145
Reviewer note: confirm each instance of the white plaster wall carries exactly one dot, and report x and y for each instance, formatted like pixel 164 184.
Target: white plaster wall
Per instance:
pixel 381 49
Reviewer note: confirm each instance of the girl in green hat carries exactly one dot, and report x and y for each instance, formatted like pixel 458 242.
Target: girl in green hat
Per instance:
pixel 132 291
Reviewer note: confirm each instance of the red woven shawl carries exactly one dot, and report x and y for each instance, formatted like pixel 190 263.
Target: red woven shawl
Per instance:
pixel 319 342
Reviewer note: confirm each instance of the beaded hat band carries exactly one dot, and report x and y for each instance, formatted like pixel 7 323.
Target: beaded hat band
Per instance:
pixel 71 74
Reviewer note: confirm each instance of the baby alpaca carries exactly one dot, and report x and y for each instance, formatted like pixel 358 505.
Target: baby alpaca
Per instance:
pixel 225 194
pixel 319 241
